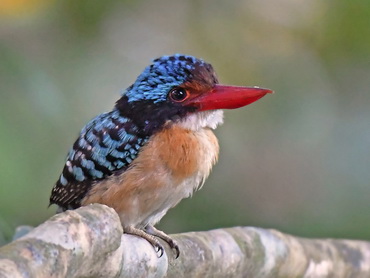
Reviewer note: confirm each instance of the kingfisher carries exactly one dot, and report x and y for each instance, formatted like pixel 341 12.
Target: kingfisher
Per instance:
pixel 154 148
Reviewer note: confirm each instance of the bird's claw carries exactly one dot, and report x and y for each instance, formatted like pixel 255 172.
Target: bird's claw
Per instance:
pixel 174 247
pixel 177 250
pixel 154 232
pixel 158 248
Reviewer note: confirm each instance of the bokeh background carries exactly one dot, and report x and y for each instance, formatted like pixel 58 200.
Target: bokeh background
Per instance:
pixel 297 161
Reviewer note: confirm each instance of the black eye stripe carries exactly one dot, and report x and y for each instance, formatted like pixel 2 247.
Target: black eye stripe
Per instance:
pixel 178 94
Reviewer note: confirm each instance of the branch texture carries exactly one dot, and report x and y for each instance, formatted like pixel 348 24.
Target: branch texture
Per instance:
pixel 88 242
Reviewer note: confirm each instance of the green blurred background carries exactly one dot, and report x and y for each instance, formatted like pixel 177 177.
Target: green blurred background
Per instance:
pixel 297 161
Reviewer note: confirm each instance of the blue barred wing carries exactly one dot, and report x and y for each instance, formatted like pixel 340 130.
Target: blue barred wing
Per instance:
pixel 107 145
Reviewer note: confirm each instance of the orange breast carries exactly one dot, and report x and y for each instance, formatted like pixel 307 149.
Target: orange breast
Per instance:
pixel 168 168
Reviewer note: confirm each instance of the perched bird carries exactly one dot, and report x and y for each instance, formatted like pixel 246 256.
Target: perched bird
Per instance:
pixel 154 148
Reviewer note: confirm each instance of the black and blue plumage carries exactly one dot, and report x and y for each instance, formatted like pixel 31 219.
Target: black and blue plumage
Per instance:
pixel 111 141
pixel 105 146
pixel 154 148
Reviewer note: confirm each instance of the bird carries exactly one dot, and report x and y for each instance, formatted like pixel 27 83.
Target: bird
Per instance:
pixel 154 148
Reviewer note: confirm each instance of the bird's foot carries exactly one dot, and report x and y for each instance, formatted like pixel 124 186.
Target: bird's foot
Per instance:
pixel 149 237
pixel 151 230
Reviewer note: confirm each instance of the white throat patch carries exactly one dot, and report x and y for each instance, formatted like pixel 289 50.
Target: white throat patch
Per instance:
pixel 204 119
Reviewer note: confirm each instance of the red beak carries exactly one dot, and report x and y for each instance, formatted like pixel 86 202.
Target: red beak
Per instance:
pixel 228 97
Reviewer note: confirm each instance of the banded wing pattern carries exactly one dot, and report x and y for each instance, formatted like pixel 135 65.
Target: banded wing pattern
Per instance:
pixel 106 146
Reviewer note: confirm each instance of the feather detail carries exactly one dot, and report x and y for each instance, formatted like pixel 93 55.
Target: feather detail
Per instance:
pixel 171 166
pixel 106 145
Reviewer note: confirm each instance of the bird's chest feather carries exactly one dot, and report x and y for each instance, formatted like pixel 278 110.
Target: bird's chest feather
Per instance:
pixel 173 164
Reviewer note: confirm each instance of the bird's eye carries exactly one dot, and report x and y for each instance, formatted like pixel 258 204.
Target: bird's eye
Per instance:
pixel 178 94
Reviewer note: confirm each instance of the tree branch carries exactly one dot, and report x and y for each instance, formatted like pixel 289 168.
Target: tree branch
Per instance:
pixel 88 242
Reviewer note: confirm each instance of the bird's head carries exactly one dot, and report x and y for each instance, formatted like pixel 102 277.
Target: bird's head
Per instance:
pixel 182 89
